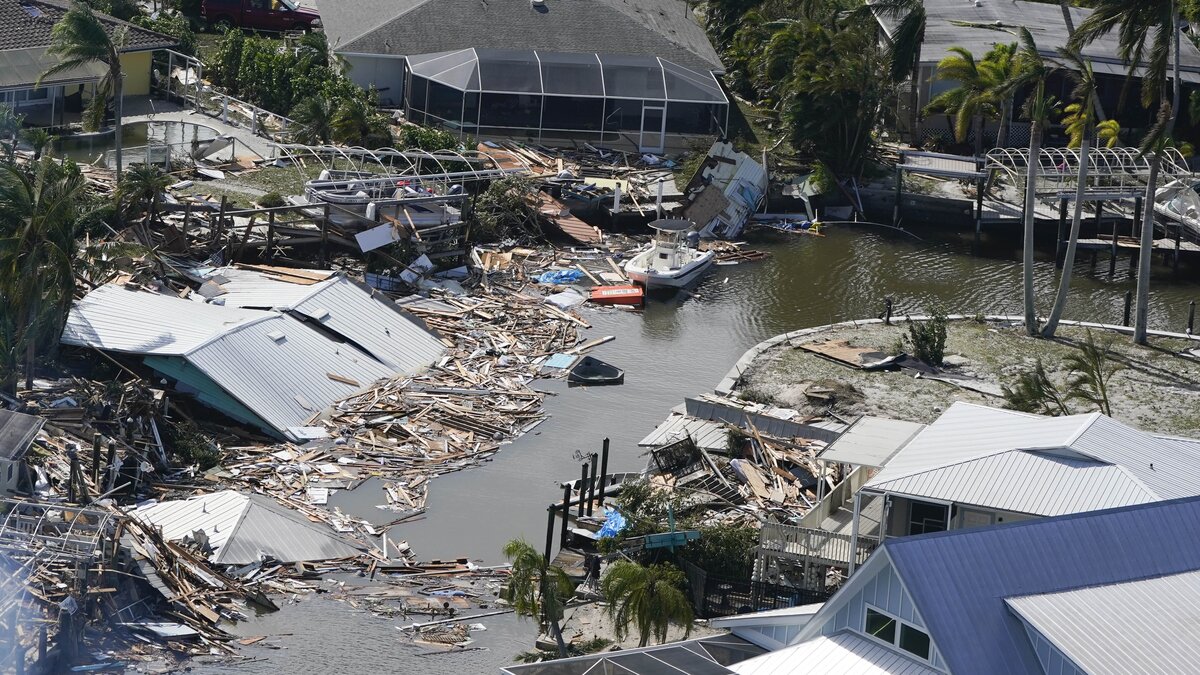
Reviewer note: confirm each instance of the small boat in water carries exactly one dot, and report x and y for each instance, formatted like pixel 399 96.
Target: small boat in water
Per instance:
pixel 673 259
pixel 617 295
pixel 593 371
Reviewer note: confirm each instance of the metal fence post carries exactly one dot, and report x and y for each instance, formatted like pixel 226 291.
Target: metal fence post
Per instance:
pixel 225 109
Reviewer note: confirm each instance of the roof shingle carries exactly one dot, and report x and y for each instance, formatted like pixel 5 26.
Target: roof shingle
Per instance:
pixel 26 24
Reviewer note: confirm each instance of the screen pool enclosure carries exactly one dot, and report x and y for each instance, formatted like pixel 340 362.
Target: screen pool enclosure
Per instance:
pixel 591 97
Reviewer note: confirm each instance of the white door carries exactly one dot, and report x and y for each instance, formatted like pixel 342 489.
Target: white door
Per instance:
pixel 654 127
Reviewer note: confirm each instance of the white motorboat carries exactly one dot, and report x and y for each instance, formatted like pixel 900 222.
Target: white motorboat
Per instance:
pixel 672 259
pixel 1179 202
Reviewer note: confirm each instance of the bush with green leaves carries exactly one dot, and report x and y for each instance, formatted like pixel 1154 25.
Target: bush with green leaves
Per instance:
pixel 928 337
pixel 270 74
pixel 176 25
pixel 271 200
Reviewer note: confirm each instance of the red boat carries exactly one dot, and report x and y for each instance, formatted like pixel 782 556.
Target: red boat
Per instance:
pixel 618 295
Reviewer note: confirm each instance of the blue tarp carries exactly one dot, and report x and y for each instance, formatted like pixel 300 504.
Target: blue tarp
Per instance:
pixel 614 522
pixel 560 277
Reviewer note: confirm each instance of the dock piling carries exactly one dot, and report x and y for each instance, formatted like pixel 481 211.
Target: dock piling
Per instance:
pixel 1191 316
pixel 591 484
pixel 566 511
pixel 603 469
pixel 583 479
pixel 1128 304
pixel 549 532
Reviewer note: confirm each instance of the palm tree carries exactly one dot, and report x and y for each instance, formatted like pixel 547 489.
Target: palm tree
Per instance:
pixel 39 225
pixel 1032 71
pixel 313 119
pixel 904 51
pixel 647 597
pixel 1080 127
pixel 140 189
pixel 1148 33
pixel 39 139
pixel 80 38
pixel 357 122
pixel 536 588
pixel 10 125
pixel 1000 65
pixel 972 100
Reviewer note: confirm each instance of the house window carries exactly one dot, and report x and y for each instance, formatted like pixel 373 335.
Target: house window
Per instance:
pixel 887 628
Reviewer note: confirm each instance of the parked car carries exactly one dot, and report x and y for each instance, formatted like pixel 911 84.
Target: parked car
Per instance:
pixel 274 15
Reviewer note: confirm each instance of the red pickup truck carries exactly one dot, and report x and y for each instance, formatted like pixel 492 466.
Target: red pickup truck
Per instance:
pixel 272 15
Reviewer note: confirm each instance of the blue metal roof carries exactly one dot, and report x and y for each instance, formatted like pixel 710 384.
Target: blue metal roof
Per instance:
pixel 959 580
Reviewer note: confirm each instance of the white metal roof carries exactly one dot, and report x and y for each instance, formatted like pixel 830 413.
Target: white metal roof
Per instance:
pixel 844 653
pixel 1146 626
pixel 272 363
pixel 285 371
pixel 1040 465
pixel 870 441
pixel 713 436
pixel 243 527
pixel 353 311
pixel 117 319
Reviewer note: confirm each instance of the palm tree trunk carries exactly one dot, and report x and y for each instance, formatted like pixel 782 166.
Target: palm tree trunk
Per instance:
pixel 1065 5
pixel 1005 114
pixel 1035 150
pixel 1064 283
pixel 1142 309
pixel 118 98
pixel 914 97
pixel 558 638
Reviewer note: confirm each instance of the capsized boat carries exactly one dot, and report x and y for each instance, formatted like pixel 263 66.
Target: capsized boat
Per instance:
pixel 593 371
pixel 1179 201
pixel 672 259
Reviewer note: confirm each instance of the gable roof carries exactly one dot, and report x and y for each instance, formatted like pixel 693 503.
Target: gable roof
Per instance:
pixel 340 305
pixel 1045 466
pixel 960 580
pixel 844 653
pixel 242 526
pixel 1091 625
pixel 263 368
pixel 979 26
pixel 664 28
pixel 28 23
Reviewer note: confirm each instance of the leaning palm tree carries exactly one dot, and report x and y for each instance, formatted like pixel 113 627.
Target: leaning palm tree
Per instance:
pixel 1033 71
pixel 1148 33
pixel 999 66
pixel 1080 128
pixel 971 101
pixel 536 588
pixel 80 38
pixel 647 597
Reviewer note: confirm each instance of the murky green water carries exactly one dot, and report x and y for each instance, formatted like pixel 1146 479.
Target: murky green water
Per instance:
pixel 678 347
pixel 88 148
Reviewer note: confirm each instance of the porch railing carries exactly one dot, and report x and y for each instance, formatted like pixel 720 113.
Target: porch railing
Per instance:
pixel 185 81
pixel 809 544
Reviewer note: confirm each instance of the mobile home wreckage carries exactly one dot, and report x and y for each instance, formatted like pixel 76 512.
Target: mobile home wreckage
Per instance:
pixel 274 370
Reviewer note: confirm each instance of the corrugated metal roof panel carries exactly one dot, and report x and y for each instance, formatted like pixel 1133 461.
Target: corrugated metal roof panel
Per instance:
pixel 958 580
pixel 17 431
pixel 1040 465
pixel 353 311
pixel 281 369
pixel 711 436
pixel 1146 626
pixel 240 527
pixel 842 654
pixel 870 441
pixel 216 514
pixel 116 319
pixel 1028 482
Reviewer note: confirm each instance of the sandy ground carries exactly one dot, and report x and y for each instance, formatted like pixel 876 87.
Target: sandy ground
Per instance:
pixel 588 621
pixel 1158 389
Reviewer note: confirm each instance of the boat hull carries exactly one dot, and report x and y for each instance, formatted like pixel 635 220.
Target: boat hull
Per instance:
pixel 685 276
pixel 617 295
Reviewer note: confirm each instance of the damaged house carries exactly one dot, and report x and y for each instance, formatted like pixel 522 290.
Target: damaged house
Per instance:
pixel 273 370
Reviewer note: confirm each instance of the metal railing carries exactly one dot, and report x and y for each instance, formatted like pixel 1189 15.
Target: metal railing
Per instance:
pixel 809 544
pixel 188 85
pixel 714 596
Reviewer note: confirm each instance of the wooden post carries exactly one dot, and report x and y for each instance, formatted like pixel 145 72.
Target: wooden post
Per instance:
pixel 1191 316
pixel 549 532
pixel 324 236
pixel 1112 261
pixel 1128 304
pixel 219 232
pixel 96 461
pixel 583 478
pixel 566 510
pixel 980 186
pixel 603 469
pixel 187 221
pixel 591 486
pixel 270 236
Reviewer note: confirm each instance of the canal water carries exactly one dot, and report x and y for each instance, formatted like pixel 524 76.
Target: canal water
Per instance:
pixel 677 347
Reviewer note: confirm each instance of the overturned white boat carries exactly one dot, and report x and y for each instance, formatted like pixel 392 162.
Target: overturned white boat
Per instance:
pixel 673 259
pixel 1178 201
